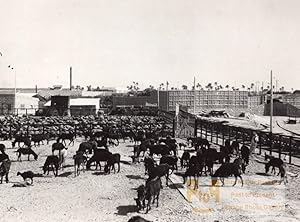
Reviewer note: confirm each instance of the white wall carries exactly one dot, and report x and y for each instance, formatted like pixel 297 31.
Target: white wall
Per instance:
pixel 26 101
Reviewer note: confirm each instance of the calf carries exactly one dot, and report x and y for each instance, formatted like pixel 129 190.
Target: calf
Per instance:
pixel 87 147
pixel 170 160
pixel 245 153
pixel 99 155
pixel 140 200
pixel 26 151
pixel 274 162
pixel 62 158
pixel 27 175
pixel 79 160
pixel 51 162
pixel 152 191
pixel 185 158
pixel 228 169
pixel 4 169
pixel 57 146
pixel 283 175
pixel 192 171
pixel 112 160
pixel 149 164
pixel 159 171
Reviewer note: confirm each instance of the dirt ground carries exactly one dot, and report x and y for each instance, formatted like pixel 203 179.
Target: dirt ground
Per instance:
pixel 93 196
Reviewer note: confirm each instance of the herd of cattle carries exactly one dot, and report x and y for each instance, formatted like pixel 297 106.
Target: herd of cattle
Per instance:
pixel 152 143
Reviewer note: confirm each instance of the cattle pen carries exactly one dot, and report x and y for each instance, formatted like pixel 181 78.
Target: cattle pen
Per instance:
pixel 279 144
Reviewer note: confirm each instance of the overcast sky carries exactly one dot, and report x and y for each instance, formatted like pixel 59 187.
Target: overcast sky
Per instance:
pixel 115 42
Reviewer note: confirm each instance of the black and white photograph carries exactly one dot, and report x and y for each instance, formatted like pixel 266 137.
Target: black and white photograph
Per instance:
pixel 149 110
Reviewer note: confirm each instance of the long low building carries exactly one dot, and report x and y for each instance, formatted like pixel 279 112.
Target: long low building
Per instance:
pixel 204 100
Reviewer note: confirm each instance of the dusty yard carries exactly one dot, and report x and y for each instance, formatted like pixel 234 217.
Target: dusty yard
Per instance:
pixel 93 196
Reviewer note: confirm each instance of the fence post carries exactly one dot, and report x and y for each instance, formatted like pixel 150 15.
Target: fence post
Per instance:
pixel 195 128
pixel 271 142
pixel 217 134
pixel 259 141
pixel 173 128
pixel 290 151
pixel 279 149
pixel 223 134
pixel 206 126
pixel 200 128
pixel 10 133
pixel 211 132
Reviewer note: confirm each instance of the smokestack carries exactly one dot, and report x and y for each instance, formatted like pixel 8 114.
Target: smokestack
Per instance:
pixel 71 78
pixel 35 88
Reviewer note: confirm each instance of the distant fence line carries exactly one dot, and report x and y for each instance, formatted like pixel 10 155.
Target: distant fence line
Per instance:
pixel 218 132
pixel 46 111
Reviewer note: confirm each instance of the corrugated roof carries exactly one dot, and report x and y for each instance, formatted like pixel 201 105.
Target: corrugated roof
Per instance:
pixel 64 92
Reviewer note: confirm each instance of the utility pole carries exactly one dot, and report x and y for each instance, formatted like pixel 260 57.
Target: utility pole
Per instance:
pixel 194 95
pixel 71 78
pixel 158 97
pixel 271 114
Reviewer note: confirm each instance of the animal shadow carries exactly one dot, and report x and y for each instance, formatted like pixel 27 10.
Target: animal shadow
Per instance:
pixel 19 185
pixel 176 186
pixel 68 166
pixel 124 210
pixel 99 173
pixel 263 174
pixel 135 177
pixel 180 174
pixel 66 174
pixel 272 182
pixel 125 162
pixel 38 175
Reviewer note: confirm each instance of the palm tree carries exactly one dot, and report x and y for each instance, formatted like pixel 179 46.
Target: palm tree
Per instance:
pixel 252 86
pixel 227 87
pixel 198 86
pixel 89 88
pixel 209 86
pixel 216 85
pixel 161 85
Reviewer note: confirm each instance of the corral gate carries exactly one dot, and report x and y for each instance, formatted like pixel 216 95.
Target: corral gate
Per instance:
pixel 184 123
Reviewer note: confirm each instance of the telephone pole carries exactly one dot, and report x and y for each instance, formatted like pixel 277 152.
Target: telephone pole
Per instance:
pixel 271 114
